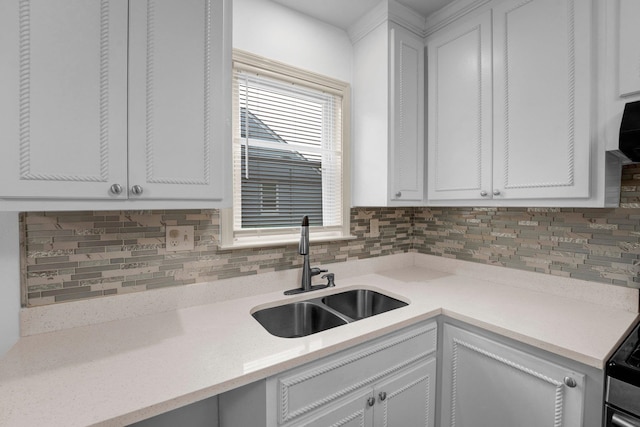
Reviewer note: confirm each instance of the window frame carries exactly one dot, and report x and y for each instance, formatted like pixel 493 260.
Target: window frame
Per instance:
pixel 262 237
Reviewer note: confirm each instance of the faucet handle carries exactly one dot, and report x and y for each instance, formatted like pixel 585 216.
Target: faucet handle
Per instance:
pixel 315 271
pixel 330 278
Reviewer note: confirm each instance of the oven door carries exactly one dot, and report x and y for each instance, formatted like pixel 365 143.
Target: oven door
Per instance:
pixel 617 418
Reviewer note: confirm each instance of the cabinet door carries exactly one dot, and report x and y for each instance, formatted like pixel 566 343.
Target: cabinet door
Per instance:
pixel 542 96
pixel 629 34
pixel 487 384
pixel 304 389
pixel 460 116
pixel 406 115
pixel 178 92
pixel 63 88
pixel 352 412
pixel 407 399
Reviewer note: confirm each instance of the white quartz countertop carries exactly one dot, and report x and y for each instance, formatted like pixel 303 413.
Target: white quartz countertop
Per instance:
pixel 122 371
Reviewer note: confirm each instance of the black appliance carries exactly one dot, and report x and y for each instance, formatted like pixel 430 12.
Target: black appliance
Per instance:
pixel 622 400
pixel 629 143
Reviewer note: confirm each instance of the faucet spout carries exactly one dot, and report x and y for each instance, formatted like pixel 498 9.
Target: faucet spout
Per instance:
pixel 307 271
pixel 303 247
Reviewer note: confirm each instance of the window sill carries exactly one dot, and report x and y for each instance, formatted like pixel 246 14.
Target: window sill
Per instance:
pixel 250 242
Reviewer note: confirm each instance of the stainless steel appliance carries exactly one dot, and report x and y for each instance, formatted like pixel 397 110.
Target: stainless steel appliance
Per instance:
pixel 629 143
pixel 622 399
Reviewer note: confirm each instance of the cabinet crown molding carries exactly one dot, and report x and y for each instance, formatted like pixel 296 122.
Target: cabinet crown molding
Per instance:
pixel 387 11
pixel 450 13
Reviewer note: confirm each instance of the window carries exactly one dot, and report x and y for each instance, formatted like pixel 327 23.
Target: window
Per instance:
pixel 290 148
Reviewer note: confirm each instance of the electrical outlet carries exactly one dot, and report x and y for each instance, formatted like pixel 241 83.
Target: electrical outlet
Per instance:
pixel 179 238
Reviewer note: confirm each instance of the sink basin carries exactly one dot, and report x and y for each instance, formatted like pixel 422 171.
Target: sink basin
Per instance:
pixel 302 318
pixel 360 303
pixel 297 319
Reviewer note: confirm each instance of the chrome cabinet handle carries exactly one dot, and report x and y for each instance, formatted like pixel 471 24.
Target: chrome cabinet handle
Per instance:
pixel 382 396
pixel 137 190
pixel 483 193
pixel 371 401
pixel 496 192
pixel 570 382
pixel 399 194
pixel 115 189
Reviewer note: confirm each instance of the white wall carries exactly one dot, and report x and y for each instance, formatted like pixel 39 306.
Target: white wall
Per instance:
pixel 273 31
pixel 9 281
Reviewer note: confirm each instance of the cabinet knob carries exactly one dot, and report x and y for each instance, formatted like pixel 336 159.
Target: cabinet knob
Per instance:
pixel 382 396
pixel 399 194
pixel 137 190
pixel 483 193
pixel 496 192
pixel 115 189
pixel 570 382
pixel 371 401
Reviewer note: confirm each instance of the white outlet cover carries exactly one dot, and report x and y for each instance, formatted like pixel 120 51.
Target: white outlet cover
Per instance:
pixel 179 238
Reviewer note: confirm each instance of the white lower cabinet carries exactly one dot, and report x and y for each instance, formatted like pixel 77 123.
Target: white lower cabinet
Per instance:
pixel 484 380
pixel 352 412
pixel 390 381
pixel 488 384
pixel 406 399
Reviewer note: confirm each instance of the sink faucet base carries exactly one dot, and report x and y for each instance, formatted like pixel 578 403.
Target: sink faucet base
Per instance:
pixel 311 288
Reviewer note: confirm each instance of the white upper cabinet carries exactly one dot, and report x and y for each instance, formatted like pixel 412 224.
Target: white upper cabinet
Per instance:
pixel 114 99
pixel 459 102
pixel 406 115
pixel 513 108
pixel 628 36
pixel 176 119
pixel 542 98
pixel 63 98
pixel 388 118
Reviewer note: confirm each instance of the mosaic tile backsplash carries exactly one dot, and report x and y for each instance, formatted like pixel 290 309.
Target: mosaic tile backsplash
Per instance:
pixel 76 255
pixel 601 245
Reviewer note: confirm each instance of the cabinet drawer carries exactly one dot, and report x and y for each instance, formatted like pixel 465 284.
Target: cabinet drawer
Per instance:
pixel 309 387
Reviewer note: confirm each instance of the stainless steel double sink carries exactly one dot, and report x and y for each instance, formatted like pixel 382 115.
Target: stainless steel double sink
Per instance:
pixel 302 318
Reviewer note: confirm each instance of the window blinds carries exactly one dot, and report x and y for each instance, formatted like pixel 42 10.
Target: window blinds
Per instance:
pixel 287 159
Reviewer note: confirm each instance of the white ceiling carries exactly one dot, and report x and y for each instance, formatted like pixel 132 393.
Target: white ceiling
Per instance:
pixel 343 13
